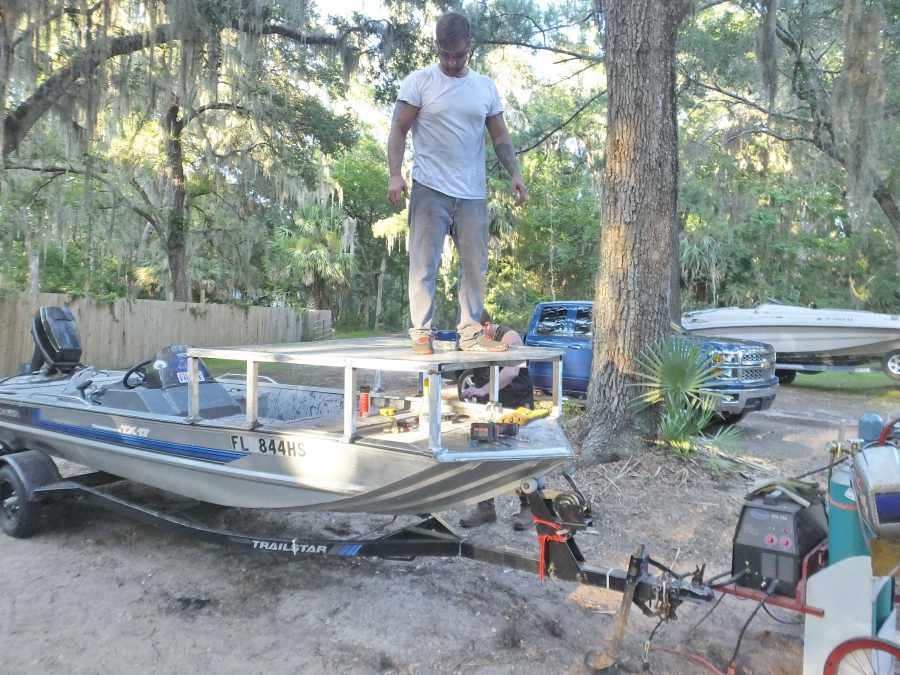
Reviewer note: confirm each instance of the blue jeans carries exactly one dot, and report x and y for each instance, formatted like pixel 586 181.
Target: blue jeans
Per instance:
pixel 432 216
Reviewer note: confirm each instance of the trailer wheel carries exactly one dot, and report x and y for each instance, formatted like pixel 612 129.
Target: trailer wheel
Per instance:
pixel 18 516
pixel 864 655
pixel 786 376
pixel 891 364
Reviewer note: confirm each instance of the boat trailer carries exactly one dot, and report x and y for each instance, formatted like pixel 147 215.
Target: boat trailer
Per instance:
pixel 29 478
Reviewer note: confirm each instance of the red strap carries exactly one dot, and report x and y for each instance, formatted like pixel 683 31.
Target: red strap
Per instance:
pixel 543 540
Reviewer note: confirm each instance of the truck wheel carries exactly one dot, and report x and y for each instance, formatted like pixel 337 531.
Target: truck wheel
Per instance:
pixel 786 376
pixel 18 516
pixel 891 364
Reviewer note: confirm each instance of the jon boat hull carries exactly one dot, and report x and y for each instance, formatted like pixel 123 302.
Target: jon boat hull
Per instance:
pixel 288 469
pixel 803 335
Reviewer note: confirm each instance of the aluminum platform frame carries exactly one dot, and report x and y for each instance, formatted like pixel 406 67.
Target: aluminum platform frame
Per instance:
pixel 390 354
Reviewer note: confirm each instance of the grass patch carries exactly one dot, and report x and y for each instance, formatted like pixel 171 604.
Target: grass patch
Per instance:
pixel 358 333
pixel 274 370
pixel 878 385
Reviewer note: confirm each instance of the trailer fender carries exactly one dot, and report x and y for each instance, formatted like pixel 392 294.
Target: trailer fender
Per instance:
pixel 34 468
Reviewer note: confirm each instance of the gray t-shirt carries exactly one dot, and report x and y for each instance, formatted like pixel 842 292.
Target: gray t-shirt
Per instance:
pixel 448 134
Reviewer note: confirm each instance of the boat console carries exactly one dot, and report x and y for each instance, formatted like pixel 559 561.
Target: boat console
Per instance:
pixel 160 386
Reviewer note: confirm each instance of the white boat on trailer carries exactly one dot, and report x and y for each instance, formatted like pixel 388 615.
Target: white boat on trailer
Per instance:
pixel 250 442
pixel 802 336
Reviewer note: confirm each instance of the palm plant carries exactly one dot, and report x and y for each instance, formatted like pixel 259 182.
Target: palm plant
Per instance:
pixel 676 377
pixel 319 253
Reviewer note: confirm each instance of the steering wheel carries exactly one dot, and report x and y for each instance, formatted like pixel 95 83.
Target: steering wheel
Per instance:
pixel 138 370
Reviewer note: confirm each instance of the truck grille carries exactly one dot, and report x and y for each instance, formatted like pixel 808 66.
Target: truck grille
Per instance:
pixel 756 358
pixel 753 375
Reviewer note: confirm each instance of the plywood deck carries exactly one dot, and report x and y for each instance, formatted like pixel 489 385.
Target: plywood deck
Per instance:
pixel 381 353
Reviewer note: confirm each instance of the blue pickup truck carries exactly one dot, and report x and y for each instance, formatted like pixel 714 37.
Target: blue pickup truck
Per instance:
pixel 745 381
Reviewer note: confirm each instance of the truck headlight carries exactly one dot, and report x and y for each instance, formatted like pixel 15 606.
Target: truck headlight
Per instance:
pixel 719 358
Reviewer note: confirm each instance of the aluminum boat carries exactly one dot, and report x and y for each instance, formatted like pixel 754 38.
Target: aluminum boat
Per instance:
pixel 804 335
pixel 250 442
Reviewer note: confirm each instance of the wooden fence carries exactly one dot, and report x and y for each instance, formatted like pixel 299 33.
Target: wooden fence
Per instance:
pixel 120 333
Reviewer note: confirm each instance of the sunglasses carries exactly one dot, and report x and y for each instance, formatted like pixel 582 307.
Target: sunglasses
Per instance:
pixel 456 56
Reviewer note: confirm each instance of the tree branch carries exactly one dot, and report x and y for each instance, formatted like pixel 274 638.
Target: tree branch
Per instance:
pixel 556 50
pixel 746 101
pixel 52 17
pixel 564 124
pixel 214 106
pixel 59 170
pixel 20 121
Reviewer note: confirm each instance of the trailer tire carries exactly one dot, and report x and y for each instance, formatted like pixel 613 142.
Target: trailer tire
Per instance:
pixel 891 364
pixel 18 515
pixel 786 376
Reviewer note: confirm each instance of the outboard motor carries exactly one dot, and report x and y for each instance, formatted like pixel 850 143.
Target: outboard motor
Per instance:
pixel 56 344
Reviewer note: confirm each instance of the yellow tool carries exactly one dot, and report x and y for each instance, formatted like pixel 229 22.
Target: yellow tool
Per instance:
pixel 523 415
pixel 387 412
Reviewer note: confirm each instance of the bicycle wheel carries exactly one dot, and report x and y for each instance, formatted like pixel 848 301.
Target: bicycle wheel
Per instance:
pixel 863 656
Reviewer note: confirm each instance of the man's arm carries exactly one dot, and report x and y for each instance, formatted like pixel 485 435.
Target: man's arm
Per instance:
pixel 507 373
pixel 503 148
pixel 401 122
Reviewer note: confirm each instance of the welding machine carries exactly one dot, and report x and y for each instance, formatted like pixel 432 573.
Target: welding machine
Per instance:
pixel 775 533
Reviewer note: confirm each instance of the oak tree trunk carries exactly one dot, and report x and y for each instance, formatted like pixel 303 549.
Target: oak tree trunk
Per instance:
pixel 379 298
pixel 640 180
pixel 176 232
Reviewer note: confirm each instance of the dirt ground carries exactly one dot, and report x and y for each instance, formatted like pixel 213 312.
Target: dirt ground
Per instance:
pixel 96 593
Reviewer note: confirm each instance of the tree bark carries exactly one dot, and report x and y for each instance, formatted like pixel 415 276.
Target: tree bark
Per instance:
pixel 675 274
pixel 379 298
pixel 33 254
pixel 177 217
pixel 888 204
pixel 633 291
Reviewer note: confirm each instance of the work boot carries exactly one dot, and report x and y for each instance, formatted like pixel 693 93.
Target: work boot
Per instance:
pixel 422 345
pixel 483 513
pixel 522 520
pixel 483 344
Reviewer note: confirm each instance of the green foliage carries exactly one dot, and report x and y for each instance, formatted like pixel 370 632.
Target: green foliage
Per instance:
pixel 674 378
pixel 285 190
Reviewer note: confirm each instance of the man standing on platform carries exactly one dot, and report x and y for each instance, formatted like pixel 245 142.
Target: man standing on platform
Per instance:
pixel 447 106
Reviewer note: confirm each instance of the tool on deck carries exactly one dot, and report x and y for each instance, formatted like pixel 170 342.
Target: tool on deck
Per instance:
pixel 488 432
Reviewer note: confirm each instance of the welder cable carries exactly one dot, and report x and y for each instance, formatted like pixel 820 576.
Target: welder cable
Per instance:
pixel 733 579
pixel 711 580
pixel 820 469
pixel 690 633
pixel 769 591
pixel 786 622
pixel 648 643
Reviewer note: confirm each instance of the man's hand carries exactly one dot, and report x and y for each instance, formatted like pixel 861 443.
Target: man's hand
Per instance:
pixel 397 190
pixel 519 190
pixel 473 392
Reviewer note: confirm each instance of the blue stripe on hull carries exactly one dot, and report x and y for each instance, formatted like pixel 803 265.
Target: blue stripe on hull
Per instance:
pixel 164 447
